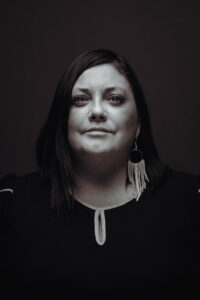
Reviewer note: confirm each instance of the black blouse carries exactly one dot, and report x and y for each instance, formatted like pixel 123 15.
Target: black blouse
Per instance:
pixel 152 248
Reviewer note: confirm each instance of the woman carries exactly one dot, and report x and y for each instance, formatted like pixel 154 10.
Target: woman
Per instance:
pixel 103 216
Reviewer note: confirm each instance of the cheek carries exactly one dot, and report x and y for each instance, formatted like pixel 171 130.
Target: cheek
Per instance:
pixel 72 121
pixel 76 124
pixel 73 124
pixel 129 127
pixel 130 120
pixel 77 118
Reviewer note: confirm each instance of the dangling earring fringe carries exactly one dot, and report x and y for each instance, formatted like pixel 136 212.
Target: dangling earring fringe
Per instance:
pixel 137 173
pixel 137 176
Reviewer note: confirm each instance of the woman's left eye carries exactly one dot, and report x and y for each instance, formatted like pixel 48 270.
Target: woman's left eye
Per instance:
pixel 116 99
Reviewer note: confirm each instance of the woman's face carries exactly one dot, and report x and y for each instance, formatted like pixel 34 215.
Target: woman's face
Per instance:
pixel 103 116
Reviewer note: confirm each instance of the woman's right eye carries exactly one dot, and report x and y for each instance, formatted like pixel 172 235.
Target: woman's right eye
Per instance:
pixel 79 100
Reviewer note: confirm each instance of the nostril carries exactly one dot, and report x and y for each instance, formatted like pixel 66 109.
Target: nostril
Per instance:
pixel 93 117
pixel 97 117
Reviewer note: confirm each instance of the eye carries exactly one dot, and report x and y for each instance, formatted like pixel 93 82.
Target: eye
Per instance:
pixel 115 99
pixel 79 100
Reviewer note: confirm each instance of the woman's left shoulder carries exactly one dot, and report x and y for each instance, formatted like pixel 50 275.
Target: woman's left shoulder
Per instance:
pixel 181 176
pixel 182 181
pixel 179 197
pixel 179 188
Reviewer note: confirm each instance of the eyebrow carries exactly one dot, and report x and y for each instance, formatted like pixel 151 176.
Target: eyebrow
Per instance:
pixel 107 90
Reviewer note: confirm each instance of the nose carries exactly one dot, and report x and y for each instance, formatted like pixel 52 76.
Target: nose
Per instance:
pixel 97 112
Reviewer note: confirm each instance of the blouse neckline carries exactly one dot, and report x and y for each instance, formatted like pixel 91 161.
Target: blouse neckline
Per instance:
pixel 99 216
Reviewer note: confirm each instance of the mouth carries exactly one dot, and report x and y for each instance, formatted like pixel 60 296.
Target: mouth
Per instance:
pixel 98 129
pixel 98 132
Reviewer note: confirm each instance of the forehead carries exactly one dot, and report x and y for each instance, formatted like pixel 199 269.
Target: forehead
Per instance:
pixel 102 76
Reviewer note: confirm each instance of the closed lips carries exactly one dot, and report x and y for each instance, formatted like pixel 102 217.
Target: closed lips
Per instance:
pixel 98 129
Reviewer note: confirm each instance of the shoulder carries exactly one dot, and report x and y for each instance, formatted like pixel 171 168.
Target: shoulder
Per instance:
pixel 7 187
pixel 19 194
pixel 7 183
pixel 11 184
pixel 11 179
pixel 178 199
pixel 179 194
pixel 181 177
pixel 181 182
pixel 178 189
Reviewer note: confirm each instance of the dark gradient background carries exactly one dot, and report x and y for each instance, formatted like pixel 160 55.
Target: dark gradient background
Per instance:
pixel 159 38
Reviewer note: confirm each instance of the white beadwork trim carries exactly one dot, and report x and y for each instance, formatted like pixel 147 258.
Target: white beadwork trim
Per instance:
pixel 100 226
pixel 99 217
pixel 7 190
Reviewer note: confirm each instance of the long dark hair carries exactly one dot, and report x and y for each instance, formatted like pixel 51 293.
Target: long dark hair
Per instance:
pixel 53 151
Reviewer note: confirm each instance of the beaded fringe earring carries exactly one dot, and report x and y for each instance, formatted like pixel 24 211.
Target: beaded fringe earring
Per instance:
pixel 137 172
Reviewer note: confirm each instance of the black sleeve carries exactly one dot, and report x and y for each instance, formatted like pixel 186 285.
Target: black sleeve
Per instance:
pixel 195 236
pixel 7 191
pixel 195 209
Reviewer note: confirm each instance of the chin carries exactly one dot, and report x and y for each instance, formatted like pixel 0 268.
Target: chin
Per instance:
pixel 97 149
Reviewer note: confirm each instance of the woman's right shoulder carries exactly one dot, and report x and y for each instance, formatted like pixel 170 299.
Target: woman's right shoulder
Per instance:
pixel 16 191
pixel 7 184
pixel 11 182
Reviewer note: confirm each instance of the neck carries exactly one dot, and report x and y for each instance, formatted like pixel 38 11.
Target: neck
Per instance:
pixel 100 169
pixel 101 182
